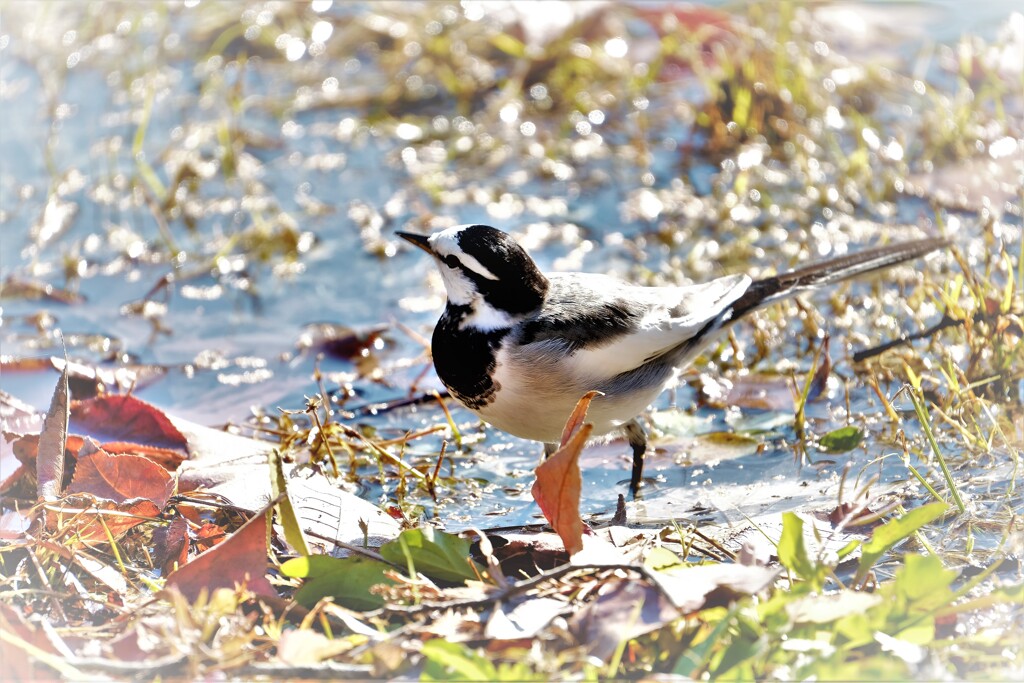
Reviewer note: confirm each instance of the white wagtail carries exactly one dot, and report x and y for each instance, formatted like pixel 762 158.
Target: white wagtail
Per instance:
pixel 519 348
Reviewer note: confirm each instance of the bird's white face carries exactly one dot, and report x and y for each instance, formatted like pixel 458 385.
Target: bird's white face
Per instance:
pixel 486 272
pixel 461 290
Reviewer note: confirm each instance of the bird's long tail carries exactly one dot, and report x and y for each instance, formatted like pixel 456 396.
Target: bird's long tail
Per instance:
pixel 769 290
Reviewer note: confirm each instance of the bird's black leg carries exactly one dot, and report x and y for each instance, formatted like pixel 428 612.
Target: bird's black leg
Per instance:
pixel 637 438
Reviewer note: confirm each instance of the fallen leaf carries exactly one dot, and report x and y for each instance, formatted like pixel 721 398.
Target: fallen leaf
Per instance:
pixel 339 341
pixel 241 559
pixel 523 618
pixel 52 439
pixel 14 524
pixel 842 440
pixel 557 490
pixel 285 511
pixel 303 647
pixel 11 468
pixel 522 554
pixel 121 477
pixel 93 519
pixel 347 580
pixel 558 484
pixel 758 392
pixel 164 457
pixel 112 419
pixel 693 588
pixel 579 414
pixel 170 545
pixel 433 553
pixel 19 640
pixel 625 609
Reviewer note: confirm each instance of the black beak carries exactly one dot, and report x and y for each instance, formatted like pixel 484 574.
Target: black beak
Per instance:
pixel 419 240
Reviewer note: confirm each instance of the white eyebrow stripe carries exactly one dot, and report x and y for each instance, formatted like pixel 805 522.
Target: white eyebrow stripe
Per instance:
pixel 474 265
pixel 446 243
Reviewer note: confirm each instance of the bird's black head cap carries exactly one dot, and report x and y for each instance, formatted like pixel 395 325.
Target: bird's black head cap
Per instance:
pixel 518 286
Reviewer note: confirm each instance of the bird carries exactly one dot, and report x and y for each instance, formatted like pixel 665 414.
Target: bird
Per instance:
pixel 519 347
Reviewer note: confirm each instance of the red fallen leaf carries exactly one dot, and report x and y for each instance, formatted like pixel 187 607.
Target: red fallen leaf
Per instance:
pixel 170 545
pixel 18 664
pixel 242 558
pixel 209 535
pixel 710 27
pixel 579 414
pixel 50 457
pixel 558 484
pixel 125 419
pixel 121 477
pixel 26 448
pixel 93 518
pixel 164 457
pixel 339 341
pixel 690 17
pixel 843 510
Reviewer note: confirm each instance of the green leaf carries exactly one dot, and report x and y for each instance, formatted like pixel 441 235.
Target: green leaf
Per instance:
pixel 448 661
pixel 842 440
pixel 792 550
pixel 285 511
pixel 347 580
pixel 433 553
pixel 891 533
pixel 660 557
pixel 694 659
pixel 923 579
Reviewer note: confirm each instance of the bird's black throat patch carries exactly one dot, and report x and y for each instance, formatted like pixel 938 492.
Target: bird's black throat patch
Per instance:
pixel 465 358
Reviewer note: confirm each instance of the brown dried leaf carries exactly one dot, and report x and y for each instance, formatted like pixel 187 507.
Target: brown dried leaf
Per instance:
pixel 579 414
pixel 625 609
pixel 92 518
pixel 170 545
pixel 242 558
pixel 52 440
pixel 121 477
pixel 558 484
pixel 693 588
pixel 17 663
pixel 339 341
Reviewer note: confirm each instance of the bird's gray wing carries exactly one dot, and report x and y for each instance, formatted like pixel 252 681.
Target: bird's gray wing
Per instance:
pixel 605 327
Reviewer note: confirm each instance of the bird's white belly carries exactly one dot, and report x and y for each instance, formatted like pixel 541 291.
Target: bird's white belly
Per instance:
pixel 534 402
